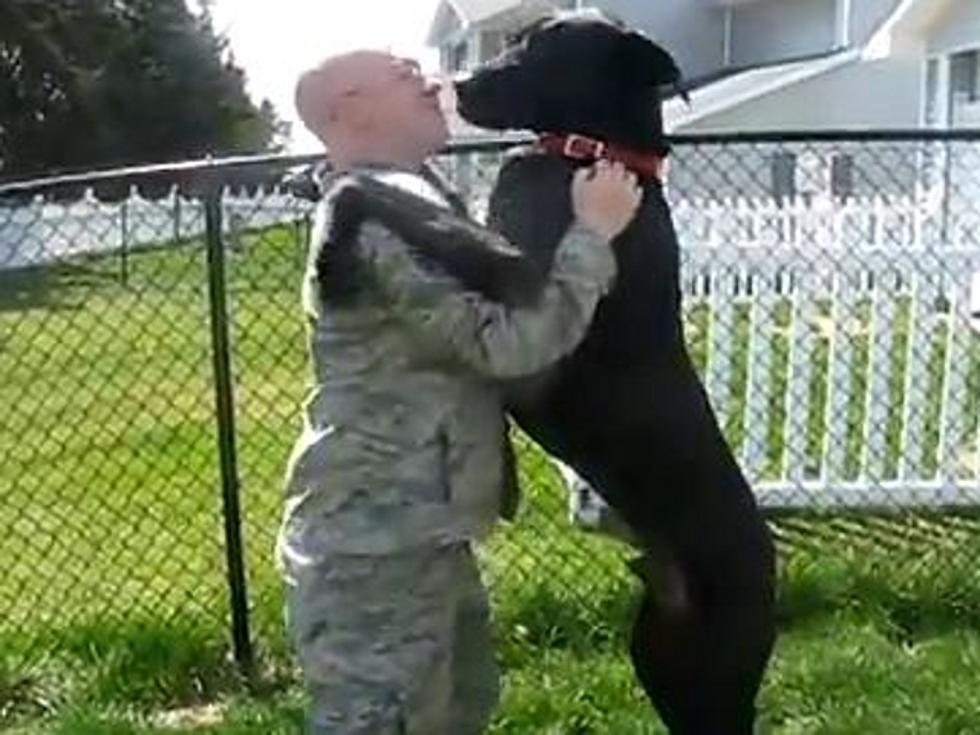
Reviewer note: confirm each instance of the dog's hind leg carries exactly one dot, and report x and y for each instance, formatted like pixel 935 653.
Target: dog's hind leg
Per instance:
pixel 661 650
pixel 666 646
pixel 701 663
pixel 738 631
pixel 705 627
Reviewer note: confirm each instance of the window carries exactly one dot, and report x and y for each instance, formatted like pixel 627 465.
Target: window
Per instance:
pixel 964 77
pixel 783 175
pixel 964 89
pixel 492 44
pixel 841 175
pixel 932 103
pixel 811 174
pixel 459 56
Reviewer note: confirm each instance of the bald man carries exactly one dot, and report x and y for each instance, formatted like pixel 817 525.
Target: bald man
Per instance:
pixel 400 465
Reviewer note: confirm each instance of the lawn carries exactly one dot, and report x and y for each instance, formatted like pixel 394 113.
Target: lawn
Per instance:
pixel 113 596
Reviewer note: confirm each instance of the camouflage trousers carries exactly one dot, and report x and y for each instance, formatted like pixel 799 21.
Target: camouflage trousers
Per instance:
pixel 395 645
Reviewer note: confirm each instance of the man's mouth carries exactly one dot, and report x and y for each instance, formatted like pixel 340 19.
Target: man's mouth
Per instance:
pixel 447 99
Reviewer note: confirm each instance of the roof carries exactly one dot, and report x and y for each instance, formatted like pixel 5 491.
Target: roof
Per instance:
pixel 689 85
pixel 910 18
pixel 475 12
pixel 729 88
pixel 740 86
pixel 467 12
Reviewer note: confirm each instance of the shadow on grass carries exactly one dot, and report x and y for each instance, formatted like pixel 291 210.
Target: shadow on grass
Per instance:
pixel 914 578
pixel 52 287
pixel 266 715
pixel 139 665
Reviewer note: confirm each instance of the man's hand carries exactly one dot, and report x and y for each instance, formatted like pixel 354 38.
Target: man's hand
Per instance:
pixel 605 198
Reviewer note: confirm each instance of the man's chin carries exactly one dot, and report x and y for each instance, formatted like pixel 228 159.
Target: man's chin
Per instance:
pixel 441 138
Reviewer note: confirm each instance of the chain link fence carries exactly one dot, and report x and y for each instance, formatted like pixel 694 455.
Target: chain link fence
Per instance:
pixel 153 367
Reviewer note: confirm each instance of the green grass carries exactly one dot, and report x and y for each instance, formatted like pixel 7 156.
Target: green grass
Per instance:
pixel 112 594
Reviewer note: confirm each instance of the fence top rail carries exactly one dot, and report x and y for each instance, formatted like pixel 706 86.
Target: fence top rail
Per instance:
pixel 202 172
pixel 252 169
pixel 847 135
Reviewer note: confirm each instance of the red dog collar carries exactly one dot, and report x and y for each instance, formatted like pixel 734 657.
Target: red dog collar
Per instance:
pixel 583 148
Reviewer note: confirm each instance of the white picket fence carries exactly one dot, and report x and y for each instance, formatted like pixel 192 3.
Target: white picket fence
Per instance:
pixel 44 232
pixel 841 376
pixel 870 222
pixel 839 342
pixel 898 343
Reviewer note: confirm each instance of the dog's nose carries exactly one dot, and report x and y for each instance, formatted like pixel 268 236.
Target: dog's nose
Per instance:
pixel 462 84
pixel 460 79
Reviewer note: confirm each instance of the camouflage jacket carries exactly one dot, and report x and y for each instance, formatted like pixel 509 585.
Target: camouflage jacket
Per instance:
pixel 404 432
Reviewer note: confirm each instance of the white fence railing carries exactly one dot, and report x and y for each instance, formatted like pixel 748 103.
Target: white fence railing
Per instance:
pixel 44 232
pixel 856 394
pixel 844 378
pixel 870 222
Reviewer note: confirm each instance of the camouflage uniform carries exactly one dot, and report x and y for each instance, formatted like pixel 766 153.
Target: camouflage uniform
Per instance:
pixel 398 468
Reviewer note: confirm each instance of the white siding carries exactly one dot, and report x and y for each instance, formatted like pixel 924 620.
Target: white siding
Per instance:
pixel 779 29
pixel 692 31
pixel 870 94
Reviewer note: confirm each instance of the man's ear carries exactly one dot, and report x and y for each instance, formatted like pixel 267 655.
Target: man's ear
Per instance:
pixel 653 65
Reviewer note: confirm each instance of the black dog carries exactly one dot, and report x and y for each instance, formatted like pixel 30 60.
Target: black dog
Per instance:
pixel 627 410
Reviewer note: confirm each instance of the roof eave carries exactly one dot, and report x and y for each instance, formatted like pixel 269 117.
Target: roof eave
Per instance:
pixel 677 114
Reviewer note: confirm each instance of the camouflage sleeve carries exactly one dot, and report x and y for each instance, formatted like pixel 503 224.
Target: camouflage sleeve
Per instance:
pixel 496 339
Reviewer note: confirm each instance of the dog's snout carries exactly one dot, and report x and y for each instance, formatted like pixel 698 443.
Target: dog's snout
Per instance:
pixel 462 84
pixel 464 92
pixel 489 98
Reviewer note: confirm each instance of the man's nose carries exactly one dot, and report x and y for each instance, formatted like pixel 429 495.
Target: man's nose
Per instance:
pixel 434 85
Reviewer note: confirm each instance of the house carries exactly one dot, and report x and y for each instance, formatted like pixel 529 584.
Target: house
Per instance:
pixel 805 64
pixel 892 64
pixel 776 65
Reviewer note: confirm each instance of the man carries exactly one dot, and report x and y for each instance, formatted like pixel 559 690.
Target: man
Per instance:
pixel 399 467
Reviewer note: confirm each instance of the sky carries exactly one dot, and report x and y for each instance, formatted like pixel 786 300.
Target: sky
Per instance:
pixel 275 40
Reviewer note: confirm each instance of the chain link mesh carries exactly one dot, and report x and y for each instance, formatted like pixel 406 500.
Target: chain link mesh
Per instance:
pixel 827 305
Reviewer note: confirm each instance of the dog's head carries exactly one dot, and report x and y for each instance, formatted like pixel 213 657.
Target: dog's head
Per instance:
pixel 574 73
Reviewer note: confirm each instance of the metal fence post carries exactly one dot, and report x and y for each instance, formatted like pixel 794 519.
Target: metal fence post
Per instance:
pixel 225 409
pixel 176 215
pixel 124 232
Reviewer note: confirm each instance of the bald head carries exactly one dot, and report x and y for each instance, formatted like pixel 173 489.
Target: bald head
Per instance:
pixel 322 91
pixel 371 105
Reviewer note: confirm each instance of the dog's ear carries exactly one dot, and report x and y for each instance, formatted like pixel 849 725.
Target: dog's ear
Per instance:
pixel 642 57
